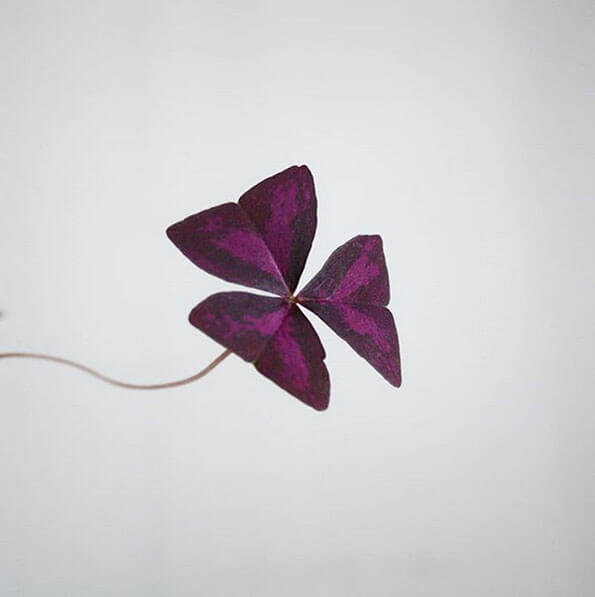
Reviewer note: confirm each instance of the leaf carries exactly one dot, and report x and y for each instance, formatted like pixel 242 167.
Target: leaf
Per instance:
pixel 240 321
pixel 294 359
pixel 283 209
pixel 369 329
pixel 349 294
pixel 274 335
pixel 354 273
pixel 224 242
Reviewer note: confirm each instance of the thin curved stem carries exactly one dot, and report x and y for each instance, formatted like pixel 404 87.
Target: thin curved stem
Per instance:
pixel 110 380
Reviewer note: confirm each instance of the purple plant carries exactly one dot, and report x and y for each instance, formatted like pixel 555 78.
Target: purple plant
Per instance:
pixel 263 241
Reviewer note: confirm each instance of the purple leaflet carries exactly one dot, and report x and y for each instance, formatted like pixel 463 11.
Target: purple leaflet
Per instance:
pixel 283 209
pixel 263 242
pixel 368 329
pixel 241 321
pixel 354 273
pixel 272 333
pixel 348 294
pixel 294 360
pixel 224 242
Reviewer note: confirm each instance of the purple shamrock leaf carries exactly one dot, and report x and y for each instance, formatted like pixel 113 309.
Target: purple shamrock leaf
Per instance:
pixel 283 209
pixel 241 321
pixel 263 242
pixel 349 294
pixel 224 241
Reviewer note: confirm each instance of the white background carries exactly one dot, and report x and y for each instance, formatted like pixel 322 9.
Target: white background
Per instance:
pixel 462 132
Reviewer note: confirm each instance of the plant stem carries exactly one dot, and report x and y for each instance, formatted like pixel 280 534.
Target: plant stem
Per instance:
pixel 115 382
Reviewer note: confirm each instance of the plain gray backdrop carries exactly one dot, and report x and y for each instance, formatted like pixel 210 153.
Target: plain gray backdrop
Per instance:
pixel 462 132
